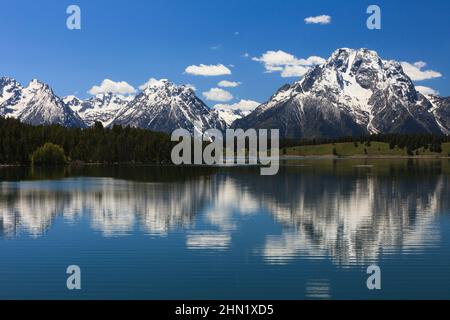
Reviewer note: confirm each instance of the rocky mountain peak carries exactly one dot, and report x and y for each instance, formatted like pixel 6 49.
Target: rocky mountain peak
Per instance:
pixel 165 106
pixel 166 89
pixel 354 92
pixel 36 104
pixel 9 90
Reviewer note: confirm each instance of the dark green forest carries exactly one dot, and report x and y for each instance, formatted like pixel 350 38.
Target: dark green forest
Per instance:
pixel 18 141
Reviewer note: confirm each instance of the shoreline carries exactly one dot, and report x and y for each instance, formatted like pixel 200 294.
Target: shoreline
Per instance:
pixel 362 157
pixel 281 158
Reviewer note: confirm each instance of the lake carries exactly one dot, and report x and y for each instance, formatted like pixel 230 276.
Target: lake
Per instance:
pixel 147 232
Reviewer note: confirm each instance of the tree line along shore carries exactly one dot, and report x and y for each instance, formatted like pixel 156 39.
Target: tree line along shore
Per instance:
pixel 24 144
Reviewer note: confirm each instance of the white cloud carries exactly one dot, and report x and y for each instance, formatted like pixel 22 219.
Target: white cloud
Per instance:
pixel 228 84
pixel 217 94
pixel 420 64
pixel 287 64
pixel 294 71
pixel 208 70
pixel 109 86
pixel 276 58
pixel 313 60
pixel 149 83
pixel 190 86
pixel 427 90
pixel 323 19
pixel 416 73
pixel 244 105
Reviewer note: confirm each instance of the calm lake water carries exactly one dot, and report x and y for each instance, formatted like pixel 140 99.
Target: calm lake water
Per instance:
pixel 228 233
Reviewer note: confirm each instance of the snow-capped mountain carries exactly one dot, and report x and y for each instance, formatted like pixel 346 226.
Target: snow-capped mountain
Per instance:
pixel 103 107
pixel 231 113
pixel 73 103
pixel 355 92
pixel 10 90
pixel 164 106
pixel 35 104
pixel 441 112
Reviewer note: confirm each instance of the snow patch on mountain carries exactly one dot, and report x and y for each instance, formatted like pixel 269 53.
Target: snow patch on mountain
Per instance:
pixel 9 88
pixel 441 111
pixel 232 112
pixel 101 108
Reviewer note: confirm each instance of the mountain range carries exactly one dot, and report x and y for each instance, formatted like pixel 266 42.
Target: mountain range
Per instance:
pixel 355 92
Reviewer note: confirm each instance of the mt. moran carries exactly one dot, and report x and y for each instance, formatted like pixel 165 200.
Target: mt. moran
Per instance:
pixel 354 93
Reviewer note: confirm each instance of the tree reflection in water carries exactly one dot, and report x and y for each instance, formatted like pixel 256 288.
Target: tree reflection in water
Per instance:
pixel 347 211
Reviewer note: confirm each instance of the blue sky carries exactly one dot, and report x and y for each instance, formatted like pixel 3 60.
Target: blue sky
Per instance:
pixel 135 40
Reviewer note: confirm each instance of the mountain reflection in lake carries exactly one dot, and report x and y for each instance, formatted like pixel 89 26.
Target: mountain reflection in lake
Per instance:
pixel 309 232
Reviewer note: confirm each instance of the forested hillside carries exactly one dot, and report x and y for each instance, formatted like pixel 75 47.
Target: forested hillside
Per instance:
pixel 94 145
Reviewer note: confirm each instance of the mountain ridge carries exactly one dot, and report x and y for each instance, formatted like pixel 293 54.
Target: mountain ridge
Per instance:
pixel 164 106
pixel 35 104
pixel 355 92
